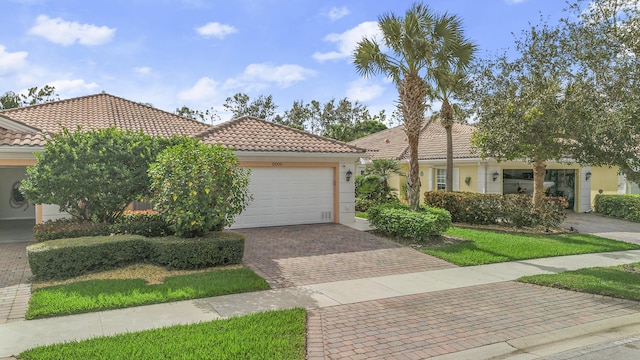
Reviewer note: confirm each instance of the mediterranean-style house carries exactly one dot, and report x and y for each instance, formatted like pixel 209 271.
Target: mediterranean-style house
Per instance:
pixel 296 177
pixel 575 182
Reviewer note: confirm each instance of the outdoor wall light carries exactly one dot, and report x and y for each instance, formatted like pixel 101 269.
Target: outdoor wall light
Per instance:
pixel 495 176
pixel 587 176
pixel 349 173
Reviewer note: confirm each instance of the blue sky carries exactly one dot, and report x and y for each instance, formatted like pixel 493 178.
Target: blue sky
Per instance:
pixel 199 52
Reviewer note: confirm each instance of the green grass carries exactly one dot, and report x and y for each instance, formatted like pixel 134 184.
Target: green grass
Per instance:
pixel 488 247
pixel 362 215
pixel 616 281
pixel 96 295
pixel 269 335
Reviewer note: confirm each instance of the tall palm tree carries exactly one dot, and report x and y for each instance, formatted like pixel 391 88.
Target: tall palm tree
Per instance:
pixel 408 55
pixel 448 77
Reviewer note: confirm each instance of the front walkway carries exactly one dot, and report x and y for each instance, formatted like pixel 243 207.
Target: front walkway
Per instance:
pixel 15 290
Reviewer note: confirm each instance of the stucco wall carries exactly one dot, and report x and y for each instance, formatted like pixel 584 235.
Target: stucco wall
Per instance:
pixel 603 179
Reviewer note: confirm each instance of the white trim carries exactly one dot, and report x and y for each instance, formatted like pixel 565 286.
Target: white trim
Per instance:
pixel 20 149
pixel 13 125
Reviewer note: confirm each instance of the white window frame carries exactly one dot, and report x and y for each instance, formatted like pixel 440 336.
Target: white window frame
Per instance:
pixel 441 179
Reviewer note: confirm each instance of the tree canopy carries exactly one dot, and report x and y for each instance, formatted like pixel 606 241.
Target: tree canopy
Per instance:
pixel 570 93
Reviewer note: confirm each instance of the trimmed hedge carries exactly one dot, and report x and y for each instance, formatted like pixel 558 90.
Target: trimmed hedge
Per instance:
pixel 621 206
pixel 146 223
pixel 397 220
pixel 66 258
pixel 487 209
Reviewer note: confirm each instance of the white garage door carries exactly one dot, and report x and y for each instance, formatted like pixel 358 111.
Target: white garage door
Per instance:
pixel 288 196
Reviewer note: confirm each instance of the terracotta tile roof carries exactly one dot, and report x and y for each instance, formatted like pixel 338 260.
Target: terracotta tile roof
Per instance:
pixel 392 143
pixel 103 111
pixel 20 138
pixel 253 134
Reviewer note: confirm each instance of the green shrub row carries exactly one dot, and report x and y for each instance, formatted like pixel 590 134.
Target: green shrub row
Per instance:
pixel 65 258
pixel 620 206
pixel 146 223
pixel 397 220
pixel 486 209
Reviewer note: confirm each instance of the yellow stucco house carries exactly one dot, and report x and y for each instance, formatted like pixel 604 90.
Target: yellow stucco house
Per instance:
pixel 577 183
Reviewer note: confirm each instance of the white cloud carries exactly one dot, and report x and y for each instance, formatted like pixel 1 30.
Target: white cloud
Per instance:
pixel 204 90
pixel 336 13
pixel 142 70
pixel 348 40
pixel 11 61
pixel 67 33
pixel 215 29
pixel 73 87
pixel 259 76
pixel 363 90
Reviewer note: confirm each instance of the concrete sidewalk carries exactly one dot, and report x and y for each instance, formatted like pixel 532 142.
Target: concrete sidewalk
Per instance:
pixel 16 337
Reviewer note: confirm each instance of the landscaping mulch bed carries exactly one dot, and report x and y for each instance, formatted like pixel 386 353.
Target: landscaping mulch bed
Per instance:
pixel 152 274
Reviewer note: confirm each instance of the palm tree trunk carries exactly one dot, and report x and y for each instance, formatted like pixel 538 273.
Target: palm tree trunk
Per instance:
pixel 539 170
pixel 413 94
pixel 446 115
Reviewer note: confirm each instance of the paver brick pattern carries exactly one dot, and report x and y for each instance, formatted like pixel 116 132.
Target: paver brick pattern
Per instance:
pixel 437 323
pixel 311 254
pixel 15 290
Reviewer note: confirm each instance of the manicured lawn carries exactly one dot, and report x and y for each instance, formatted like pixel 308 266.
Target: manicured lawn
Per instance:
pixel 362 215
pixel 96 295
pixel 269 335
pixel 617 281
pixel 487 247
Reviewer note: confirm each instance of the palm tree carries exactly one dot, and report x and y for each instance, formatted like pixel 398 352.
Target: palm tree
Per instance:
pixel 411 44
pixel 448 77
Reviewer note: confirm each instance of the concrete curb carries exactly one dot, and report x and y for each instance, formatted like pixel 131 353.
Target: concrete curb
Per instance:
pixel 554 342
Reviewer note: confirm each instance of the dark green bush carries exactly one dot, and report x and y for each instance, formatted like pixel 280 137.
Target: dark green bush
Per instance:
pixel 65 258
pixel 69 228
pixel 141 222
pixel 620 206
pixel 215 248
pixel 486 209
pixel 467 207
pixel 396 219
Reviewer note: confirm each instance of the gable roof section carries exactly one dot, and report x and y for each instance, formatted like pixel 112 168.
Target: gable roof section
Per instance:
pixel 392 143
pixel 102 111
pixel 253 134
pixel 21 138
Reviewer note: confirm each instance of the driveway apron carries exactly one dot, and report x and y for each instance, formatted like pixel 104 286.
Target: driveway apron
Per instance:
pixel 310 254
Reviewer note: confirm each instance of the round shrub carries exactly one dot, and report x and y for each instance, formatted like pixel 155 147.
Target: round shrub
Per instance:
pixel 197 188
pixel 397 220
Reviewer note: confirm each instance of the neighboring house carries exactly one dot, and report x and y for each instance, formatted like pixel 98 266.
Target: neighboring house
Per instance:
pixel 577 183
pixel 297 177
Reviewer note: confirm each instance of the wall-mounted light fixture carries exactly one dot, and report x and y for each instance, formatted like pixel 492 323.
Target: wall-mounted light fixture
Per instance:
pixel 349 173
pixel 587 176
pixel 495 176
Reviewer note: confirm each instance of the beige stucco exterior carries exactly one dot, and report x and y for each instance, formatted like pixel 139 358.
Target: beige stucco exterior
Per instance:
pixel 481 173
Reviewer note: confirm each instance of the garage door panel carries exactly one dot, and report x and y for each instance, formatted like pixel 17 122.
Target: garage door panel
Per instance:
pixel 288 196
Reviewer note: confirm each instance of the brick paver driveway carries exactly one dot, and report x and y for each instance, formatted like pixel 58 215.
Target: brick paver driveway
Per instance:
pixel 311 254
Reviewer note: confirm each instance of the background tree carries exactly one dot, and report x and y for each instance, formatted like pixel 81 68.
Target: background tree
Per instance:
pixel 34 96
pixel 207 116
pixel 527 107
pixel 412 40
pixel 241 104
pixel 198 188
